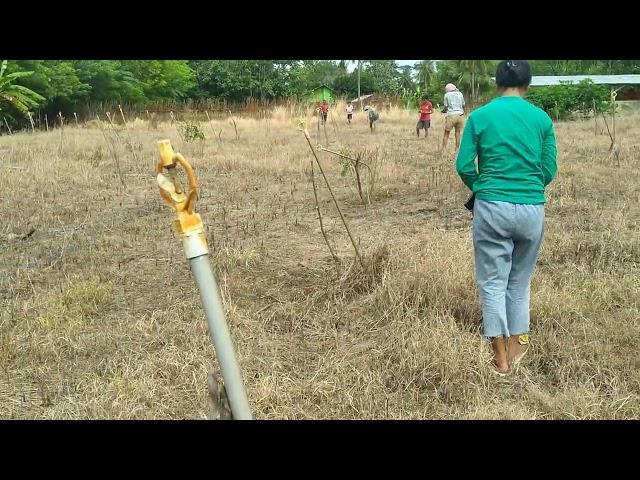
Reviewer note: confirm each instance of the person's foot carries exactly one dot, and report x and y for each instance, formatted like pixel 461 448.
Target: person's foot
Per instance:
pixel 500 362
pixel 518 347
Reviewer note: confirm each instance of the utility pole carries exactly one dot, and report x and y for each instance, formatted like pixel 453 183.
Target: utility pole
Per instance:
pixel 359 94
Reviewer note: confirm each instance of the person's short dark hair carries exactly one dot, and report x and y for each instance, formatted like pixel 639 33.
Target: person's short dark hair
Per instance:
pixel 513 73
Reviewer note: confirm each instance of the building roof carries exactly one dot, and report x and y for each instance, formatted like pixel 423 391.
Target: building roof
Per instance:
pixel 321 86
pixel 538 81
pixel 362 97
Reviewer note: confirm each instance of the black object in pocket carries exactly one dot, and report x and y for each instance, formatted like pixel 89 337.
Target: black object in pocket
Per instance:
pixel 470 202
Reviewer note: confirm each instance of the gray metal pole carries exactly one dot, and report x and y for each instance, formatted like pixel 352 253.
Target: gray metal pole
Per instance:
pixel 359 94
pixel 191 230
pixel 219 332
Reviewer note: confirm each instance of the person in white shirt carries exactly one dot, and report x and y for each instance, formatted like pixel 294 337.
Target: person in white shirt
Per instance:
pixel 454 111
pixel 349 111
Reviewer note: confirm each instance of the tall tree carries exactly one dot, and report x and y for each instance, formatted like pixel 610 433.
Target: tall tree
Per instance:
pixel 110 80
pixel 426 71
pixel 163 79
pixel 474 74
pixel 385 74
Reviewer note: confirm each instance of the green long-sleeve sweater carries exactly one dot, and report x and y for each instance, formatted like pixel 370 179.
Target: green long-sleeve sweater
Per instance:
pixel 516 150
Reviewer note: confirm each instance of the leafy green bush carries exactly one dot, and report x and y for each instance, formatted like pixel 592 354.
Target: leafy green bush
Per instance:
pixel 561 101
pixel 191 131
pixel 413 98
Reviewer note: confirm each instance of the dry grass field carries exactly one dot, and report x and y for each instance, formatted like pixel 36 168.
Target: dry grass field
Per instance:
pixel 100 317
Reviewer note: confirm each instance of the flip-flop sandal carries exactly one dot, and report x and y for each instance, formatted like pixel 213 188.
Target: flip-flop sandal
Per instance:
pixel 522 340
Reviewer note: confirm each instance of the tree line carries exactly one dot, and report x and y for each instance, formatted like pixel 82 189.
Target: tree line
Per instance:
pixel 66 85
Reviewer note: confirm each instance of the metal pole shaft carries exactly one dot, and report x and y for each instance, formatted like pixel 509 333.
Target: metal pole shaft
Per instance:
pixel 219 332
pixel 359 94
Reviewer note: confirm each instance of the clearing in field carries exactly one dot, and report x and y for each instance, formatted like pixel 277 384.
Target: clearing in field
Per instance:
pixel 100 316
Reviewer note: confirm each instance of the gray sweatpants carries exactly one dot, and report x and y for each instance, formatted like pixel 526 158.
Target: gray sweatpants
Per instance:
pixel 506 241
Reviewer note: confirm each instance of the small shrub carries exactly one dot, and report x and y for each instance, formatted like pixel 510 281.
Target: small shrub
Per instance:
pixel 561 101
pixel 190 131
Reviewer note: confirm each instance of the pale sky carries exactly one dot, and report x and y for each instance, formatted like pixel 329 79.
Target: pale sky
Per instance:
pixel 351 66
pixel 406 62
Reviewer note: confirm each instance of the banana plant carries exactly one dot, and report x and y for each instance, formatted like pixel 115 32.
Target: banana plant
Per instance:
pixel 18 96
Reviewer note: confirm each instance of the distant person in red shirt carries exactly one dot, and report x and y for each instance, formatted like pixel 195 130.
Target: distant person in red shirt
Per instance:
pixel 424 121
pixel 324 111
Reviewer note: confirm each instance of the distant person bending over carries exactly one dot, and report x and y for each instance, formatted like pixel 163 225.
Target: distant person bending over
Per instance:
pixel 454 111
pixel 426 108
pixel 373 116
pixel 516 151
pixel 324 111
pixel 349 111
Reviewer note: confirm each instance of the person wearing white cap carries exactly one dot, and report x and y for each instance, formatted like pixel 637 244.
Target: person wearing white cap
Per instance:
pixel 373 116
pixel 454 111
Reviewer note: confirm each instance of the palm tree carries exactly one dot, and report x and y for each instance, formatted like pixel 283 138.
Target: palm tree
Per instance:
pixel 472 72
pixel 17 96
pixel 426 71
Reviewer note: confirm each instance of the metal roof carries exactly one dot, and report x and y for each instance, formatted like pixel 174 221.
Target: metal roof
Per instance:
pixel 537 81
pixel 321 86
pixel 362 97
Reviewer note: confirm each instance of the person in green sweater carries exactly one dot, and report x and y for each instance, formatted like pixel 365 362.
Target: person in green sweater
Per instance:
pixel 514 144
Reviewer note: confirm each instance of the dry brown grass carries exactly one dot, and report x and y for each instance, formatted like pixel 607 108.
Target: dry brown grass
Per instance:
pixel 100 317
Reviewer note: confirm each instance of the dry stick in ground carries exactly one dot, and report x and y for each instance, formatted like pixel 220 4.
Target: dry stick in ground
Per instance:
pixel 614 94
pixel 235 126
pixel 148 120
pixel 355 163
pixel 315 195
pixel 8 127
pixel 218 134
pixel 302 128
pixel 595 119
pixel 113 149
pixel 267 119
pixel 334 123
pixel 206 112
pixel 76 117
pixel 126 129
pixel 31 121
pixel 124 120
pixel 211 127
pixel 113 127
pixel 61 131
pixel 324 129
pixel 606 124
pixel 613 149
